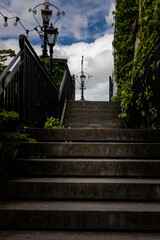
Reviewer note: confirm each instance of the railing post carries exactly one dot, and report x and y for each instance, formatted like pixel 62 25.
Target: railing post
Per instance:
pixel 21 82
pixel 110 88
pixel 73 87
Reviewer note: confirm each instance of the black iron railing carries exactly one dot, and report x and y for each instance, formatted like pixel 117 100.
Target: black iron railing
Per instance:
pixel 40 94
pixel 66 92
pixel 146 89
pixel 110 88
pixel 28 89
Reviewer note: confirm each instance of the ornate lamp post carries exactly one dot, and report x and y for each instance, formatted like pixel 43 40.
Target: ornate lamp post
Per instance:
pixel 83 78
pixel 52 34
pixel 83 81
pixel 46 17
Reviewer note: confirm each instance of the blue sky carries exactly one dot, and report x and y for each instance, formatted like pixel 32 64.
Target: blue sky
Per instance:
pixel 86 29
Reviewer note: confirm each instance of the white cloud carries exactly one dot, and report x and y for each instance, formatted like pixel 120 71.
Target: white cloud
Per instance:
pixel 98 92
pixel 78 27
pixel 10 43
pixel 97 61
pixel 109 17
pixel 89 11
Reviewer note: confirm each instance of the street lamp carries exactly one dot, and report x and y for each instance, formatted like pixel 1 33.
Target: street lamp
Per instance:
pixel 83 78
pixel 83 81
pixel 46 17
pixel 52 34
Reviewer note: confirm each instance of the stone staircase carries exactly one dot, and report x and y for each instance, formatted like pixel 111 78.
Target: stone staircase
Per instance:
pixel 84 183
pixel 88 114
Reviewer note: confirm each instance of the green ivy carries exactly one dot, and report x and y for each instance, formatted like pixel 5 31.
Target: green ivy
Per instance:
pixel 8 137
pixel 52 123
pixel 127 63
pixel 57 71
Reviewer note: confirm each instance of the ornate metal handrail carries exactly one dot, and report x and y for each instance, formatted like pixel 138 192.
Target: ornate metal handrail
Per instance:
pixel 5 80
pixel 28 89
pixel 66 92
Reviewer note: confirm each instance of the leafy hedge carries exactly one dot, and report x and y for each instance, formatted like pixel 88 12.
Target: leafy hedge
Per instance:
pixel 127 63
pixel 57 71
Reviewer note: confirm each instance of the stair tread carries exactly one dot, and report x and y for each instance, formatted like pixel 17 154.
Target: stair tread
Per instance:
pixel 91 149
pixel 76 235
pixel 118 131
pixel 115 134
pixel 89 119
pixel 92 109
pixel 93 102
pixel 87 159
pixel 90 126
pixel 99 114
pixel 80 206
pixel 92 143
pixel 92 119
pixel 90 180
pixel 94 106
pixel 86 122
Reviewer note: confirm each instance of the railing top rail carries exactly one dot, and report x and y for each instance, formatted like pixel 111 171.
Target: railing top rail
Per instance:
pixel 7 70
pixel 23 41
pixel 62 84
pixel 65 77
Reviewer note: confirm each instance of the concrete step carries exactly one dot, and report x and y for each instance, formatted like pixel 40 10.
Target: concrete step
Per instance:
pixel 83 189
pixel 92 125
pixel 105 135
pixel 93 121
pixel 119 216
pixel 86 167
pixel 76 235
pixel 104 103
pixel 79 109
pixel 94 149
pixel 100 116
pixel 92 108
pixel 93 104
pixel 91 112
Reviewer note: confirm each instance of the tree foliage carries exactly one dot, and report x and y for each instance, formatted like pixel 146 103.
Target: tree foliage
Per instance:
pixel 4 56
